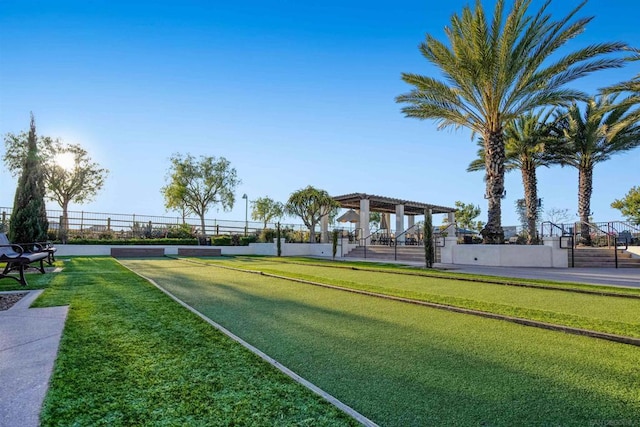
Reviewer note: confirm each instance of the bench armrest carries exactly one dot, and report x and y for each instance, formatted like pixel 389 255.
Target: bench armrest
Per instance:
pixel 13 251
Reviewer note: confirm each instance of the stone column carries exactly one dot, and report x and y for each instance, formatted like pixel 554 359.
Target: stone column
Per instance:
pixel 364 222
pixel 400 224
pixel 451 228
pixel 324 229
pixel 411 221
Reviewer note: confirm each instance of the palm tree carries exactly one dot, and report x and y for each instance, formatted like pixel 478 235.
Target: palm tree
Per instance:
pixel 527 141
pixel 605 128
pixel 632 85
pixel 496 71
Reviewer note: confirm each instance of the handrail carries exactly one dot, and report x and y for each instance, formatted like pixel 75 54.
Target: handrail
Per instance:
pixel 395 244
pixel 552 226
pixel 627 225
pixel 367 238
pixel 592 225
pixel 589 227
pixel 571 247
pixel 615 249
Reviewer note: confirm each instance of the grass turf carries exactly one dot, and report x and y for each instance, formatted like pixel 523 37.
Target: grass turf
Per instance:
pixel 403 365
pixel 600 313
pixel 443 274
pixel 130 355
pixel 35 280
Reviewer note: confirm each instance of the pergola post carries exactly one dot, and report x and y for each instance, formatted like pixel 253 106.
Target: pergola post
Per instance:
pixel 400 225
pixel 324 229
pixel 411 221
pixel 451 228
pixel 364 222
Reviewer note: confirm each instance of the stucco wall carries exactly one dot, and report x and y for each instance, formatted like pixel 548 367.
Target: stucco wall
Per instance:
pixel 288 249
pixel 634 251
pixel 547 255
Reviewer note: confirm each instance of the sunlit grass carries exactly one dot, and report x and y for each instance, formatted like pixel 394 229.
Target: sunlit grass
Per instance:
pixel 402 364
pixel 600 313
pixel 130 355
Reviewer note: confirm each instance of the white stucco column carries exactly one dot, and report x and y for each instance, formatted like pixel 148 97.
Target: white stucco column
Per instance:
pixel 559 257
pixel 400 224
pixel 387 221
pixel 364 222
pixel 451 228
pixel 411 221
pixel 324 229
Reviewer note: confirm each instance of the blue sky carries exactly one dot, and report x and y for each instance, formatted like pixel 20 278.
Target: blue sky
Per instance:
pixel 292 93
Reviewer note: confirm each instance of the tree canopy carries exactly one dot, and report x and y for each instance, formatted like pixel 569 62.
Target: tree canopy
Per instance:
pixel 592 134
pixel 69 174
pixel 311 204
pixel 198 184
pixel 265 209
pixel 466 213
pixel 498 69
pixel 629 205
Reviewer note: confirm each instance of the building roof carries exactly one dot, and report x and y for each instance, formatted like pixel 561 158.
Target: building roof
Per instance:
pixel 388 204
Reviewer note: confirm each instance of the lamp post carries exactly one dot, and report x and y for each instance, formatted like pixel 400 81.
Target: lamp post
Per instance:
pixel 246 214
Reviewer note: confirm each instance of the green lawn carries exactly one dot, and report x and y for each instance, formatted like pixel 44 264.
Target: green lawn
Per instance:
pixel 35 280
pixel 608 314
pixel 402 365
pixel 131 356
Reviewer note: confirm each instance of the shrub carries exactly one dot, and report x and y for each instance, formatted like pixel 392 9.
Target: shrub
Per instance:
pixel 267 235
pixel 182 231
pixel 138 241
pixel 221 241
pixel 244 241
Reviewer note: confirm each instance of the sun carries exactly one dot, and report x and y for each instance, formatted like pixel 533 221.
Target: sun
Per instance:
pixel 65 160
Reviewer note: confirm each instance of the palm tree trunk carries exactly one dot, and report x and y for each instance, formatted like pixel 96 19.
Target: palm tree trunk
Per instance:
pixel 494 168
pixel 585 188
pixel 530 184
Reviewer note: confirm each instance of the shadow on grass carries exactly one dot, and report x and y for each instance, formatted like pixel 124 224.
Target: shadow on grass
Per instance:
pixel 402 365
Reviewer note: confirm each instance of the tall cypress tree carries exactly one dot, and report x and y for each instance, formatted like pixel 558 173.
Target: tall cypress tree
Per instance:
pixel 429 248
pixel 29 217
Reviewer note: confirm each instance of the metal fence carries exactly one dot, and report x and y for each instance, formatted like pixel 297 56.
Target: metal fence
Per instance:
pixel 599 234
pixel 95 225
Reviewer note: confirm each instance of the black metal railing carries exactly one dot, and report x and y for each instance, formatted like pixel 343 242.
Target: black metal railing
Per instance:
pixel 619 243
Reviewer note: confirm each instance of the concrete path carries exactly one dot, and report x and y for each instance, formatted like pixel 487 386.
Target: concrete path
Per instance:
pixel 29 339
pixel 629 277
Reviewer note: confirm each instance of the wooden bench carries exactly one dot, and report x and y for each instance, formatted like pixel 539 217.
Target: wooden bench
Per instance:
pixel 17 259
pixel 199 251
pixel 137 252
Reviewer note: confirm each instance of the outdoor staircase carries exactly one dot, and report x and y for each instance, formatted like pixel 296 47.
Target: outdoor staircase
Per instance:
pixel 413 254
pixel 603 258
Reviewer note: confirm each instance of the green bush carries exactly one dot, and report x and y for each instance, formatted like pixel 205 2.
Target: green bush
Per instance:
pixel 244 241
pixel 182 231
pixel 82 241
pixel 267 235
pixel 220 240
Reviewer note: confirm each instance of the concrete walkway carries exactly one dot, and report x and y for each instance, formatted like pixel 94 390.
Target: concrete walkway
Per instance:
pixel 29 339
pixel 628 277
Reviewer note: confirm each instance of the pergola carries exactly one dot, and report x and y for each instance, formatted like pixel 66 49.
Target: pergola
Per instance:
pixel 366 203
pixel 388 205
